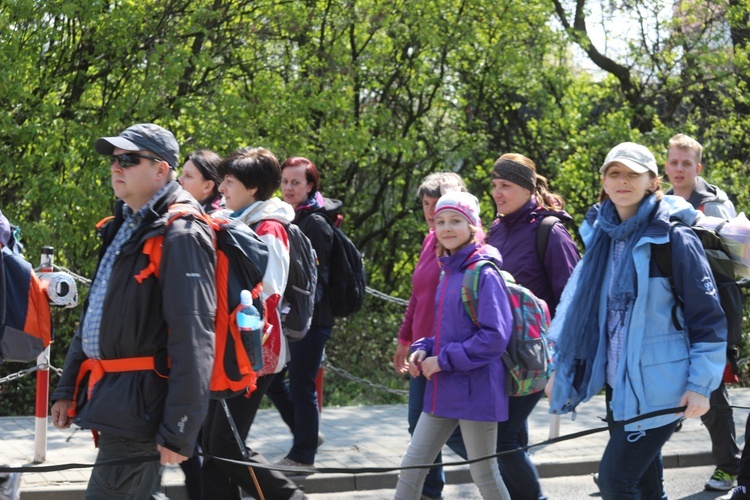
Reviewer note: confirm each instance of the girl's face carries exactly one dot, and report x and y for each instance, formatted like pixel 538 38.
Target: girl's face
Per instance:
pixel 294 186
pixel 509 196
pixel 194 183
pixel 626 188
pixel 236 195
pixel 428 207
pixel 452 230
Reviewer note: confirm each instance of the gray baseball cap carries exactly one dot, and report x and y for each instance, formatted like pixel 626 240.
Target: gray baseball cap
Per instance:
pixel 634 156
pixel 143 137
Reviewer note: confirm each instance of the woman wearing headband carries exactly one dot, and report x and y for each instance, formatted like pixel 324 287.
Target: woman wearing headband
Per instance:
pixel 523 201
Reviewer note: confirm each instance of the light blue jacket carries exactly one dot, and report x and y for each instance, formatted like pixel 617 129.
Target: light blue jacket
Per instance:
pixel 659 363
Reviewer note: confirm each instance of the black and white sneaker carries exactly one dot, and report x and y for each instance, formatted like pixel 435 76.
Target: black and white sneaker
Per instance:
pixel 737 493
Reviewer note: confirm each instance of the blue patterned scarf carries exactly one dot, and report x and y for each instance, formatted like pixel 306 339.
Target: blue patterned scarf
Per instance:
pixel 579 338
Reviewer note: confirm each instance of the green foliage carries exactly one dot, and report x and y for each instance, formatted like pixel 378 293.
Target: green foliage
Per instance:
pixel 377 94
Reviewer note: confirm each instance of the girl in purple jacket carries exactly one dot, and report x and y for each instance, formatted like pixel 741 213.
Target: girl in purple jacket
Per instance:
pixel 420 314
pixel 462 361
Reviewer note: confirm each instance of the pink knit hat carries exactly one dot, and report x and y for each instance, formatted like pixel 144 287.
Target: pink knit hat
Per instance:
pixel 465 204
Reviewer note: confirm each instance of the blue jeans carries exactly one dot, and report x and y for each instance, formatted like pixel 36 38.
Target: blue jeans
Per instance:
pixel 632 467
pixel 297 401
pixel 519 472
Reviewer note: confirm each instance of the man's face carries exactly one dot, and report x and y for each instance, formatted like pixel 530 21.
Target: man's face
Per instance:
pixel 138 183
pixel 682 168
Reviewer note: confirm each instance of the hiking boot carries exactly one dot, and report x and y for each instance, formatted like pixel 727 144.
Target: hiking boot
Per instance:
pixel 720 481
pixel 737 493
pixel 288 462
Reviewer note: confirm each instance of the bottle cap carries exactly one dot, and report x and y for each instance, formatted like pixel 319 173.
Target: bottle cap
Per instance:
pixel 246 298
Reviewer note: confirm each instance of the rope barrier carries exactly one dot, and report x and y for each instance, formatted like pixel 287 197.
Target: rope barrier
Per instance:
pixel 343 373
pixel 352 470
pixel 27 371
pixel 386 297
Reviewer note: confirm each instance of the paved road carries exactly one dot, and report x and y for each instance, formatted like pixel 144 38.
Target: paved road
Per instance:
pixel 373 436
pixel 681 483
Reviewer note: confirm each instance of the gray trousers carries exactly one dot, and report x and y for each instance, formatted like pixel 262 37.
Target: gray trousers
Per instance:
pixel 136 481
pixel 429 437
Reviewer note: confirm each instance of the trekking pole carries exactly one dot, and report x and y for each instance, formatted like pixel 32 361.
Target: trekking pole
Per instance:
pixel 42 379
pixel 241 444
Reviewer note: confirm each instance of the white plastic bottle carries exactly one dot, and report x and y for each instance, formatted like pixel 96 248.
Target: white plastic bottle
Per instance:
pixel 251 329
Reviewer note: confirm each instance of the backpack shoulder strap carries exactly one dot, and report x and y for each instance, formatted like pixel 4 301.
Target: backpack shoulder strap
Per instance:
pixel 662 257
pixel 153 246
pixel 542 235
pixel 470 287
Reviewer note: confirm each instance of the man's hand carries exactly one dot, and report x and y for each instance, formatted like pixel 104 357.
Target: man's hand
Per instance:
pixel 697 404
pixel 59 412
pixel 399 359
pixel 169 457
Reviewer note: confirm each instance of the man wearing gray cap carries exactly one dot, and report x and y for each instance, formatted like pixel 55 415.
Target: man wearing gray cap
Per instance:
pixel 138 369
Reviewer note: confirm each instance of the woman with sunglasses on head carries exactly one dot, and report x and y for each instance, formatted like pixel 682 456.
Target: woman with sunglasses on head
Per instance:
pixel 201 179
pixel 615 329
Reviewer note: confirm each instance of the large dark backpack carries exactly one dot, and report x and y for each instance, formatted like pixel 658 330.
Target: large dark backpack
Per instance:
pixel 347 280
pixel 299 294
pixel 722 267
pixel 241 260
pixel 527 357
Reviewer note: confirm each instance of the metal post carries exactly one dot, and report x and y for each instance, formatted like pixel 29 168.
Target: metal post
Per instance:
pixel 42 379
pixel 554 426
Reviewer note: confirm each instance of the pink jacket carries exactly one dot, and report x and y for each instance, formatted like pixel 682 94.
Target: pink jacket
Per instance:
pixel 420 313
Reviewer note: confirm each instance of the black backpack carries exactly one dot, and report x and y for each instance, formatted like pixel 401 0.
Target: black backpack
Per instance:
pixel 347 279
pixel 542 235
pixel 299 294
pixel 722 267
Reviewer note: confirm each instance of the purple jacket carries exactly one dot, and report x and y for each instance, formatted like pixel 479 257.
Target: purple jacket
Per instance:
pixel 514 235
pixel 471 384
pixel 420 313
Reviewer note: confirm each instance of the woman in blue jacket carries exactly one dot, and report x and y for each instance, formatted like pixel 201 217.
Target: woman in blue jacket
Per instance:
pixel 614 328
pixel 462 361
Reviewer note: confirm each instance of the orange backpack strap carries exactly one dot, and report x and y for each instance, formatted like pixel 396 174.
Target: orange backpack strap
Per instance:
pixel 104 221
pixel 152 248
pixel 96 368
pixel 154 245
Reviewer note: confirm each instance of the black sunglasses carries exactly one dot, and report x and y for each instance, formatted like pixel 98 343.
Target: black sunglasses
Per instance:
pixel 131 159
